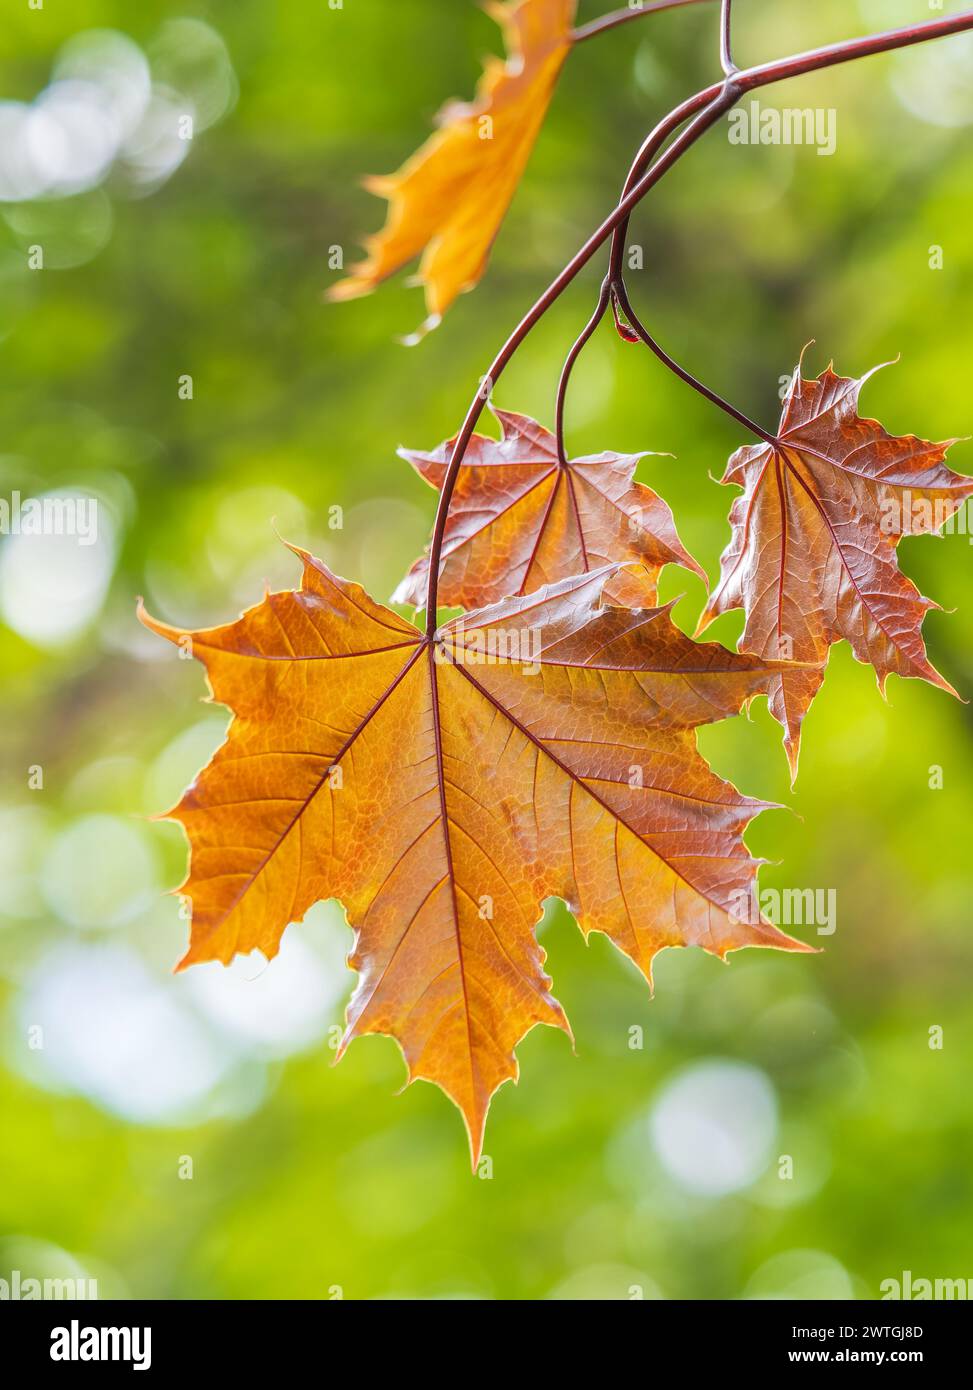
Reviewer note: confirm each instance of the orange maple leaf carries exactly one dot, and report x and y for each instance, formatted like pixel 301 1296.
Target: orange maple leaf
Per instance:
pixel 812 557
pixel 441 789
pixel 449 199
pixel 518 519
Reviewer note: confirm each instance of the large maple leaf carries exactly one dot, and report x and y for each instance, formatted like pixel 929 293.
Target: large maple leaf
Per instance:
pixel 448 201
pixel 812 556
pixel 442 789
pixel 519 520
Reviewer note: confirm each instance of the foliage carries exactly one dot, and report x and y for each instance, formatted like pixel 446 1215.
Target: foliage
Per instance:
pixel 308 1177
pixel 812 559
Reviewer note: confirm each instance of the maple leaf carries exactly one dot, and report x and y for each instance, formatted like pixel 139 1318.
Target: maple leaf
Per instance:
pixel 448 201
pixel 442 789
pixel 812 557
pixel 517 520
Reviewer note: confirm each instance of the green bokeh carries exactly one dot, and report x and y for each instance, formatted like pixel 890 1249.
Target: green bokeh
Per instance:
pixel 308 1178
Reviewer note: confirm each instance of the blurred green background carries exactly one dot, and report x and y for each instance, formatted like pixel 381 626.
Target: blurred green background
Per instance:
pixel 653 1168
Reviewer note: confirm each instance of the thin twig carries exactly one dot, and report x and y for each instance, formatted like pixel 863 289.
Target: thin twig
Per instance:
pixel 617 17
pixel 726 39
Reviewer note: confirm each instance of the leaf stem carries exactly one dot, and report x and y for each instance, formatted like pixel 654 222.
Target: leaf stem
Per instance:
pixel 726 39
pixel 708 105
pixel 620 295
pixel 619 17
pixel 569 361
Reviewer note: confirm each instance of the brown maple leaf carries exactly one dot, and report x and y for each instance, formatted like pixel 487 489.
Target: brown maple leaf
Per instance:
pixel 448 201
pixel 517 520
pixel 812 557
pixel 442 789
